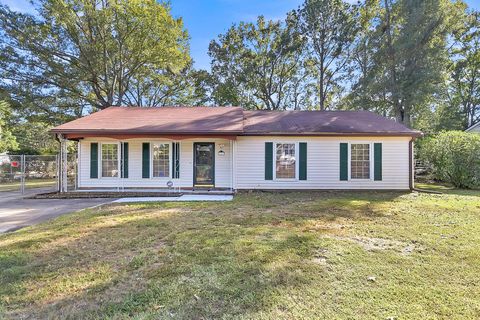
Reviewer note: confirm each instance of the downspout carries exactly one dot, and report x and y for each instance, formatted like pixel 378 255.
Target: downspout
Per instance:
pixel 410 165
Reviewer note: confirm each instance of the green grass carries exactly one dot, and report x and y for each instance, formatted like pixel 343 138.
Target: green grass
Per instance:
pixel 306 255
pixel 29 184
pixel 446 189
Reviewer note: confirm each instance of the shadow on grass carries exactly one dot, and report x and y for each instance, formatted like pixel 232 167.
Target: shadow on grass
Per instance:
pixel 183 260
pixel 447 189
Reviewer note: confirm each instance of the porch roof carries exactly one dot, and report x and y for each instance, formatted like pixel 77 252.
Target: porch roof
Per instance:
pixel 164 120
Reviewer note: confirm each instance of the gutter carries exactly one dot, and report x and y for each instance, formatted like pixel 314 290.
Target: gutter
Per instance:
pixel 413 134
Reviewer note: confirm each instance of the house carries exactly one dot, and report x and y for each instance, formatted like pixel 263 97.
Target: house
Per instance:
pixel 474 128
pixel 231 148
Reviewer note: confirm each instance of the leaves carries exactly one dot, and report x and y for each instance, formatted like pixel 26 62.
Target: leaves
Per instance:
pixel 455 156
pixel 88 53
pixel 7 140
pixel 258 65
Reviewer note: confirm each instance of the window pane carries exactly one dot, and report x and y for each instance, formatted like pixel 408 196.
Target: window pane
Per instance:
pixel 360 161
pixel 285 161
pixel 110 160
pixel 161 160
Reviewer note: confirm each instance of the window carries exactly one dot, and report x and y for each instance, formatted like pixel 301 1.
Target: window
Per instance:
pixel 360 161
pixel 109 160
pixel 285 161
pixel 161 160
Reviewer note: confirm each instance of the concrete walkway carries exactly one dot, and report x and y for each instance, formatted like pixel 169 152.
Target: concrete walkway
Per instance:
pixel 17 212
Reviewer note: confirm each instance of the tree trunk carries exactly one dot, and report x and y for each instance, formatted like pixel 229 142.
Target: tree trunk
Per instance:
pixel 321 86
pixel 397 105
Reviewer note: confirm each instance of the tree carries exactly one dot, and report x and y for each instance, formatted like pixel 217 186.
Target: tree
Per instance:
pixel 464 88
pixel 7 140
pixel 166 89
pixel 409 54
pixel 367 91
pixel 82 53
pixel 257 65
pixel 329 28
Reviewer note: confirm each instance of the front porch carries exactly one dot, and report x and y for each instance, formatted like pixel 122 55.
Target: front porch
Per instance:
pixel 154 164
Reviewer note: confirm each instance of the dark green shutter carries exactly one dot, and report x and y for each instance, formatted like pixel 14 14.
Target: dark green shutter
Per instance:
pixel 268 160
pixel 93 160
pixel 303 161
pixel 343 161
pixel 176 160
pixel 377 161
pixel 125 160
pixel 146 160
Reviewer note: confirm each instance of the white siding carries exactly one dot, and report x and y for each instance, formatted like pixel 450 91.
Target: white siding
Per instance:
pixel 223 175
pixel 323 159
pixel 323 163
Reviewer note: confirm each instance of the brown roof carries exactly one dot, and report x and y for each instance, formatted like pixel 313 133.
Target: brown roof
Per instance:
pixel 324 122
pixel 231 121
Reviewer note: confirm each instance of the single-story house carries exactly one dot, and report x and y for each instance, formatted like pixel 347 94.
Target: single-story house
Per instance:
pixel 235 149
pixel 474 128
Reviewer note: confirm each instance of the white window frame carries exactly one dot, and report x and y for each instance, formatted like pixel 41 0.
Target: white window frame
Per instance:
pixel 170 158
pixel 100 162
pixel 275 161
pixel 370 151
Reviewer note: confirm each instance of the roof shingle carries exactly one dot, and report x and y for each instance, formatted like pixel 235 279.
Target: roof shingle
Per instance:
pixel 232 121
pixel 325 122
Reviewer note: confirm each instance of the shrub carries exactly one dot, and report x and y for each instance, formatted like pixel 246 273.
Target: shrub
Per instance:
pixel 455 157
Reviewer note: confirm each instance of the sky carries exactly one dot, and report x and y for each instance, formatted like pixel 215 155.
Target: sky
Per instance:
pixel 206 19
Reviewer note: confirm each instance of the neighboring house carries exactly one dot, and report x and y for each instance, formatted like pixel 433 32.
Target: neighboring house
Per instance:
pixel 231 148
pixel 474 128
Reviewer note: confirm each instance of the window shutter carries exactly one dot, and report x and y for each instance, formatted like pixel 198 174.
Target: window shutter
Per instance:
pixel 125 160
pixel 176 160
pixel 94 160
pixel 343 161
pixel 377 161
pixel 303 161
pixel 268 160
pixel 146 160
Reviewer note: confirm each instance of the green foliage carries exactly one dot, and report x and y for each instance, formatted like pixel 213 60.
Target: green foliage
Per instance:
pixel 417 61
pixel 455 156
pixel 330 26
pixel 402 56
pixel 464 88
pixel 78 53
pixel 34 138
pixel 7 139
pixel 258 65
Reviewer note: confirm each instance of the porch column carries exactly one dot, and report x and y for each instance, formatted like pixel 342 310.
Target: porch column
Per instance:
pixel 62 172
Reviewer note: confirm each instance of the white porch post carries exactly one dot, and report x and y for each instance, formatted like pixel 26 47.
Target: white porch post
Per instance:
pixel 62 177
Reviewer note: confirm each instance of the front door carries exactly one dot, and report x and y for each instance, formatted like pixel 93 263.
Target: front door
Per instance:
pixel 204 164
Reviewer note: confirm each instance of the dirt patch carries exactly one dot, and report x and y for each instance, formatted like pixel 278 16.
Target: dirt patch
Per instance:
pixel 374 244
pixel 320 257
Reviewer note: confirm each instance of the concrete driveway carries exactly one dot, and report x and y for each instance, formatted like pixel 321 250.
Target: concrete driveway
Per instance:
pixel 17 212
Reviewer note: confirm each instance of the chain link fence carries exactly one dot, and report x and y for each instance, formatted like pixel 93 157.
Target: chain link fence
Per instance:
pixel 34 173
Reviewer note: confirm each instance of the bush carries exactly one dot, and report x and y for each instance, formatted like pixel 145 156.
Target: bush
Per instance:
pixel 454 156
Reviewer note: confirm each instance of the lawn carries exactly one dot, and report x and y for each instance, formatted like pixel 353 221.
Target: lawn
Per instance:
pixel 306 255
pixel 29 184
